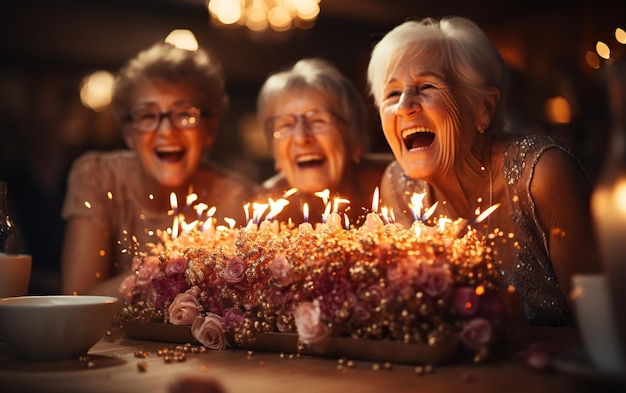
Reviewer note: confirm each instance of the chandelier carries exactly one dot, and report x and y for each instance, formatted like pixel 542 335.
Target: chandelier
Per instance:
pixel 259 15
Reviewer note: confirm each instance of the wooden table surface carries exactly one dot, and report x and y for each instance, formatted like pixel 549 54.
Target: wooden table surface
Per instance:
pixel 113 366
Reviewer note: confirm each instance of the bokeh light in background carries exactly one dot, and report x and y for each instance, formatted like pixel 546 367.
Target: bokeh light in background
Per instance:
pixel 593 60
pixel 96 90
pixel 558 110
pixel 258 15
pixel 604 51
pixel 182 38
pixel 620 35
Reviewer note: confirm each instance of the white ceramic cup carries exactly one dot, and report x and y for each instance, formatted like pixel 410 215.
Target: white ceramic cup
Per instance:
pixel 596 321
pixel 14 274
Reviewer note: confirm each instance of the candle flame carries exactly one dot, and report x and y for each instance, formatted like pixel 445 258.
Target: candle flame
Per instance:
pixel 276 207
pixel 375 198
pixel 305 212
pixel 430 211
pixel 173 202
pixel 416 204
pixel 208 223
pixel 175 228
pixel 231 222
pixel 487 212
pixel 338 201
pixel 384 211
pixel 346 221
pixel 257 211
pixel 250 225
pixel 325 195
pixel 290 192
pixel 326 212
pixel 191 198
pixel 246 210
pixel 189 227
pixel 200 208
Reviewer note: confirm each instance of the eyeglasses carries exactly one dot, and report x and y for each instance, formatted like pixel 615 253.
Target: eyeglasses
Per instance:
pixel 316 121
pixel 183 116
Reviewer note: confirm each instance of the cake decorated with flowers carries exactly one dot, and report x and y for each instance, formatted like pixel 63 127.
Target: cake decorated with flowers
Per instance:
pixel 431 284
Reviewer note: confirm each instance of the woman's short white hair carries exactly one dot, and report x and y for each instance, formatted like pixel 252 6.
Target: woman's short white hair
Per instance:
pixel 468 57
pixel 320 75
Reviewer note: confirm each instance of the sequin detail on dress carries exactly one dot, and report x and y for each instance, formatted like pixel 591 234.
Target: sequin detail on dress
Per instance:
pixel 532 273
pixel 533 276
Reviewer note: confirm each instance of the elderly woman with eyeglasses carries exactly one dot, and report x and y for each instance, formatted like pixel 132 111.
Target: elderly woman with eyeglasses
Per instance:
pixel 168 102
pixel 314 119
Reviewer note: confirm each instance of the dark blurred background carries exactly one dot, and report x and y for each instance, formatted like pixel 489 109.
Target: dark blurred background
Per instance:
pixel 50 46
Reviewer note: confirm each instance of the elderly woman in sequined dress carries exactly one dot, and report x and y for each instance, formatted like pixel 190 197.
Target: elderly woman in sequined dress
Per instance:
pixel 440 87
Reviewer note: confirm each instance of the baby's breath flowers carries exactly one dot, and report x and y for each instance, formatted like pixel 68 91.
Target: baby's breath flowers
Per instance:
pixel 424 284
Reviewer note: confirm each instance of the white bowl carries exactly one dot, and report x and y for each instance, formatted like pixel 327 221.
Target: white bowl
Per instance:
pixel 54 327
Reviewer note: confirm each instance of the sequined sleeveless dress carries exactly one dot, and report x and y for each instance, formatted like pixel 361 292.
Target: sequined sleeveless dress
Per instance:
pixel 532 276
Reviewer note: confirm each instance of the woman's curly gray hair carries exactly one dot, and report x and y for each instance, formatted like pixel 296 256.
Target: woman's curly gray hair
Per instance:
pixel 164 62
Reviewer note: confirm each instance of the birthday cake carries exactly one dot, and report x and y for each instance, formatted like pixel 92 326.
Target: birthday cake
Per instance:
pixel 427 284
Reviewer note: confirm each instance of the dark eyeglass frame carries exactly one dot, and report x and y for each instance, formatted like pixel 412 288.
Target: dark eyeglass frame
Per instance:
pixel 192 110
pixel 296 118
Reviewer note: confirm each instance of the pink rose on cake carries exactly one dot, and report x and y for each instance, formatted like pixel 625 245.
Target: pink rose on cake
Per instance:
pixel 310 327
pixel 438 280
pixel 185 308
pixel 235 270
pixel 176 263
pixel 280 269
pixel 209 331
pixel 148 270
pixel 476 333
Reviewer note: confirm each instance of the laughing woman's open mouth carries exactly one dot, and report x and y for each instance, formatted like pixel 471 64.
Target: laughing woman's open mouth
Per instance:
pixel 418 138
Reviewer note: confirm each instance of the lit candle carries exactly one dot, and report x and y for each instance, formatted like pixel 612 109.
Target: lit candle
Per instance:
pixel 326 213
pixel 246 210
pixel 208 223
pixel 200 208
pixel 251 226
pixel 416 205
pixel 324 195
pixel 334 221
pixel 174 203
pixel 191 198
pixel 305 227
pixel 372 221
pixel 257 211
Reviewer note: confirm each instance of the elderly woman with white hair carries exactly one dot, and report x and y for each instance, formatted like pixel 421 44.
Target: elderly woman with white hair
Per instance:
pixel 440 87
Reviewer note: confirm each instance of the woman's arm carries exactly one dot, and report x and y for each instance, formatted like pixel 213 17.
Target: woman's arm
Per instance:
pixel 561 192
pixel 86 261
